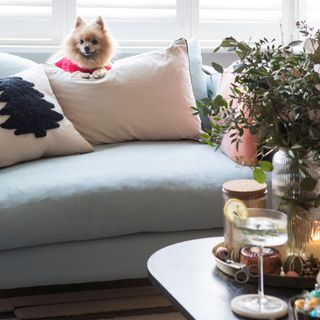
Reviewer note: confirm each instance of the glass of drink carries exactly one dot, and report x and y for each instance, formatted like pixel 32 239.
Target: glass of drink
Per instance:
pixel 261 228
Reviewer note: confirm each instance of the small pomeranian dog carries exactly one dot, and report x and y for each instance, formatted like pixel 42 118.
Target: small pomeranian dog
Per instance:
pixel 88 50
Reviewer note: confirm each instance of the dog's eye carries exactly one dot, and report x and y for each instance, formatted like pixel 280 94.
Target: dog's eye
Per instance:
pixel 94 41
pixel 81 41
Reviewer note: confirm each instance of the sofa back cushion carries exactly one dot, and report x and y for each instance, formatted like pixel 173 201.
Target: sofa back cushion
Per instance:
pixel 11 64
pixel 198 76
pixel 143 97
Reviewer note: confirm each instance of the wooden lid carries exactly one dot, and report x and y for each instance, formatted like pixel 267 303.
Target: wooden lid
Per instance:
pixel 245 187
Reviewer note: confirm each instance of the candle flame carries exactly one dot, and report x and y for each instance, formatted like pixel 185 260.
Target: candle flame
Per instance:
pixel 315 233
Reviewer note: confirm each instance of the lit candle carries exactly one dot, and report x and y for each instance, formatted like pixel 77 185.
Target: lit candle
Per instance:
pixel 313 245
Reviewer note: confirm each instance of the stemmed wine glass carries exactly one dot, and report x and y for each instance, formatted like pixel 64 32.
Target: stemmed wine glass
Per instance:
pixel 262 228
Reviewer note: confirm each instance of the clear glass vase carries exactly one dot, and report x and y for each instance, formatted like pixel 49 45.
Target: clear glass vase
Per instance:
pixel 287 194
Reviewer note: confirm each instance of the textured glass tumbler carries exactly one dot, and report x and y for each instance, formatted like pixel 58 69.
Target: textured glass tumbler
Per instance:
pixel 307 235
pixel 287 194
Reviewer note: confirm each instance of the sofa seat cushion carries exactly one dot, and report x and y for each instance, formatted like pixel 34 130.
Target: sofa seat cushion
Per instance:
pixel 118 189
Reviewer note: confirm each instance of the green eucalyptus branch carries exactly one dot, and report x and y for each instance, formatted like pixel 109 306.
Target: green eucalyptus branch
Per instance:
pixel 277 89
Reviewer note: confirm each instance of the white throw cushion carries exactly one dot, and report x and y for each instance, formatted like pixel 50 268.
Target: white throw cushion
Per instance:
pixel 32 124
pixel 143 97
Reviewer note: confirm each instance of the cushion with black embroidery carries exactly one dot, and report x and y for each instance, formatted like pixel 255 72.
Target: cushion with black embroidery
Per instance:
pixel 32 124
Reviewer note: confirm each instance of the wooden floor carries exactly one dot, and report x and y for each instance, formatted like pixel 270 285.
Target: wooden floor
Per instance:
pixel 117 300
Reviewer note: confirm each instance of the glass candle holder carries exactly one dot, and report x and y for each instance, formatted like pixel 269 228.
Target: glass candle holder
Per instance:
pixel 252 193
pixel 308 234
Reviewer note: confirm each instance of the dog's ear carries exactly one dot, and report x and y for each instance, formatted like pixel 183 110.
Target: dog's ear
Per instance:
pixel 100 23
pixel 79 22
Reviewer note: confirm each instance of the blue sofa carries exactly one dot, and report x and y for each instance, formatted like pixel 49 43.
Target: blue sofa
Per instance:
pixel 99 216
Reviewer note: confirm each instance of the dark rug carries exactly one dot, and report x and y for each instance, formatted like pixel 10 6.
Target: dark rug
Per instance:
pixel 118 300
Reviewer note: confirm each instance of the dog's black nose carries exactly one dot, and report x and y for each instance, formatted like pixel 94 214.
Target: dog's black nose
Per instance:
pixel 86 49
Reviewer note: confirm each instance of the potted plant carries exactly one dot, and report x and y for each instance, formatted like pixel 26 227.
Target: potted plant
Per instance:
pixel 275 97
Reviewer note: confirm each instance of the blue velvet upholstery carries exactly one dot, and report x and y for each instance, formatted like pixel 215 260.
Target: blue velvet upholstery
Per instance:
pixel 107 259
pixel 119 189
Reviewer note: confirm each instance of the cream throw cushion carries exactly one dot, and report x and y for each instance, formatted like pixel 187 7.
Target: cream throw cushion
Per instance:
pixel 32 124
pixel 143 97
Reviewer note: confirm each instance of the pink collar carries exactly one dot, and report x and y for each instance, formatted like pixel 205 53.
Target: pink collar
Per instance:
pixel 67 65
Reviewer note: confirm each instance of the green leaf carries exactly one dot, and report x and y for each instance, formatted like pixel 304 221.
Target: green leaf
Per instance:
pixel 239 67
pixel 204 136
pixel 265 165
pixel 308 184
pixel 316 55
pixel 302 173
pixel 244 47
pixel 297 146
pixel 218 101
pixel 261 71
pixel 295 43
pixel 217 67
pixel 206 101
pixel 236 90
pixel 229 42
pixel 259 175
pixel 291 154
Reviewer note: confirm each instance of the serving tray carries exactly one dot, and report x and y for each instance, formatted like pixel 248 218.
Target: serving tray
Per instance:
pixel 269 279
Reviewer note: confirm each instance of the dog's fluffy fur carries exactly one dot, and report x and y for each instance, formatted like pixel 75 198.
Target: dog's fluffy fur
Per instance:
pixel 90 46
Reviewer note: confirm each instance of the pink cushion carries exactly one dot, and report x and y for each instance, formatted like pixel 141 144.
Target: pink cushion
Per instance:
pixel 247 151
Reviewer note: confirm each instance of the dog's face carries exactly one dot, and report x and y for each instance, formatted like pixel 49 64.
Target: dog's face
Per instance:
pixel 89 39
pixel 89 45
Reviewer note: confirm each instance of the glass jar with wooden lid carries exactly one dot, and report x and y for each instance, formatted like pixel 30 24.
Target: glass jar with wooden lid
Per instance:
pixel 251 192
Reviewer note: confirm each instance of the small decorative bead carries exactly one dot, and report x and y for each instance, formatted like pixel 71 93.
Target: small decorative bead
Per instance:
pixel 314 302
pixel 311 267
pixel 315 313
pixel 316 293
pixel 293 263
pixel 292 274
pixel 299 304
pixel 222 253
pixel 235 254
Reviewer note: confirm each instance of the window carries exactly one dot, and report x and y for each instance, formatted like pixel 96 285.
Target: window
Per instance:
pixel 245 19
pixel 311 12
pixel 153 23
pixel 24 19
pixel 133 21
